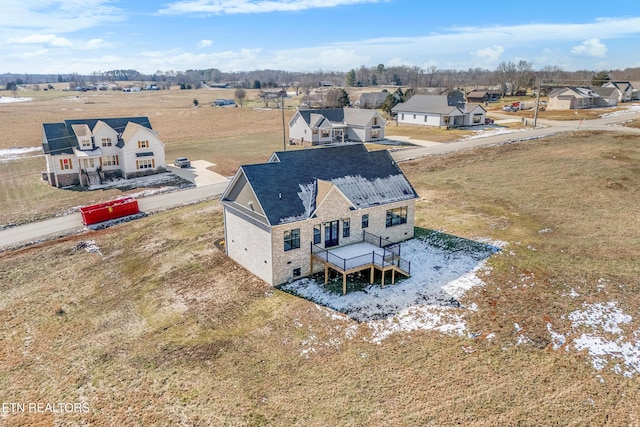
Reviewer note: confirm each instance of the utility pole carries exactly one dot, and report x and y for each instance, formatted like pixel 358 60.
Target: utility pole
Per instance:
pixel 284 136
pixel 535 114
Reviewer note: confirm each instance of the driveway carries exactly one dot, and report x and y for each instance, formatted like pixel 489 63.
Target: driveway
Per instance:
pixel 198 173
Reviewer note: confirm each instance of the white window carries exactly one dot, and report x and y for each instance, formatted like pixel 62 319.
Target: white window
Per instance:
pixel 145 164
pixel 109 160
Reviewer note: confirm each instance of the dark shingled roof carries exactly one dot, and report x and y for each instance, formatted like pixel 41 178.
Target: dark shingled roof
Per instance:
pixel 335 115
pixel 287 187
pixel 60 138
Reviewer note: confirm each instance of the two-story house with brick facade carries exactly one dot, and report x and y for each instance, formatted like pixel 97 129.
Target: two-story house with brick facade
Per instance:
pixel 335 207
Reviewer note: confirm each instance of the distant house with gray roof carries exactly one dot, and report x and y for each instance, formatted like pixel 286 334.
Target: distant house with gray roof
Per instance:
pixel 624 89
pixel 87 151
pixel 576 98
pixel 335 125
pixel 446 111
pixel 372 100
pixel 291 216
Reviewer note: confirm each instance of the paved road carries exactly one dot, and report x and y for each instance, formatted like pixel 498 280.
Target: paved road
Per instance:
pixel 69 224
pixel 213 186
pixel 544 129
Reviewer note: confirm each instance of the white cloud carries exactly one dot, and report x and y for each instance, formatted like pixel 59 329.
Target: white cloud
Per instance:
pixel 94 44
pixel 47 39
pixel 591 47
pixel 58 16
pixel 488 55
pixel 205 43
pixel 231 7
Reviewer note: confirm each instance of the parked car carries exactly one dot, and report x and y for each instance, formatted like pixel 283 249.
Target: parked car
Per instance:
pixel 488 121
pixel 510 108
pixel 182 162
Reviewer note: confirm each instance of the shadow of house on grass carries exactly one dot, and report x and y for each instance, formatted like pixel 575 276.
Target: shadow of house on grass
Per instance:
pixel 443 267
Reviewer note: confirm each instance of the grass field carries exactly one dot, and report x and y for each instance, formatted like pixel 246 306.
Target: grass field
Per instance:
pixel 226 137
pixel 160 311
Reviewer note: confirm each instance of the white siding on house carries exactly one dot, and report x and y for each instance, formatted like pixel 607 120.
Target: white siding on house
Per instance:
pixel 298 129
pixel 249 245
pixel 130 149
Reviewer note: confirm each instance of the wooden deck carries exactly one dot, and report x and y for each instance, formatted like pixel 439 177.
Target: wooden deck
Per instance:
pixel 361 256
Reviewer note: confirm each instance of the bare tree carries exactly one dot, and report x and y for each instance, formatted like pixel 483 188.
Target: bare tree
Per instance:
pixel 524 75
pixel 430 74
pixel 507 75
pixel 240 94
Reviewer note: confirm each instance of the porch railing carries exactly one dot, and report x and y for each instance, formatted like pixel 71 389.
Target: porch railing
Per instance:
pixel 381 242
pixel 385 259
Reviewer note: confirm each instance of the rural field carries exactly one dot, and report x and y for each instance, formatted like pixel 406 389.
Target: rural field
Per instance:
pixel 149 323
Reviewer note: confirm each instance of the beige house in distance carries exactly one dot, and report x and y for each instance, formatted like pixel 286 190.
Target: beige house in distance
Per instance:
pixel 339 208
pixel 577 98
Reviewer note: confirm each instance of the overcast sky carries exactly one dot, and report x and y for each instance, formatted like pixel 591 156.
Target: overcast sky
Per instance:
pixel 83 36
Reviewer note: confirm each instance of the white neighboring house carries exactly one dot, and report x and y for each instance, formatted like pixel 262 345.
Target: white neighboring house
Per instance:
pixel 475 114
pixel 335 125
pixel 87 151
pixel 439 111
pixel 624 89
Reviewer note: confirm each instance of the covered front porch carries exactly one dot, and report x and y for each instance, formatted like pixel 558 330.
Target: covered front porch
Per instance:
pixel 373 253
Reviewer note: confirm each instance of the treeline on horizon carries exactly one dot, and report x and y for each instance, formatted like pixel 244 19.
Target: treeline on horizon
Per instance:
pixel 520 75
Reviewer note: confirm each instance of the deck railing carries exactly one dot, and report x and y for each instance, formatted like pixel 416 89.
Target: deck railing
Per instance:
pixel 381 242
pixel 385 259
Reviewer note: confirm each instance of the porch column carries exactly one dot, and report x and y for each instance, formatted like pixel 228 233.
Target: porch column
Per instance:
pixel 326 274
pixel 393 276
pixel 371 275
pixel 383 277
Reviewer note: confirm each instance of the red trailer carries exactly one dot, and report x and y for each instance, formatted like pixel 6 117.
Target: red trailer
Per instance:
pixel 100 212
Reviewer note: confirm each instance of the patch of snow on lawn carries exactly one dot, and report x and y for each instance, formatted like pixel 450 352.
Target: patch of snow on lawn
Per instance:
pixel 155 180
pixel 631 109
pixel 604 340
pixel 426 300
pixel 9 154
pixel 9 100
pixel 483 133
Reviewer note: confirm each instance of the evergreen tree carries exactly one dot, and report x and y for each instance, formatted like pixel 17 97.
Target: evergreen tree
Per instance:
pixel 600 78
pixel 351 78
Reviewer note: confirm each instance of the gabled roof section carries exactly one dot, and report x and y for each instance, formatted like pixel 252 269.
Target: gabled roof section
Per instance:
pixel 59 138
pixel 130 130
pixel 358 117
pixel 603 91
pixel 621 85
pixel 331 114
pixel 439 104
pixel 287 187
pixel 571 91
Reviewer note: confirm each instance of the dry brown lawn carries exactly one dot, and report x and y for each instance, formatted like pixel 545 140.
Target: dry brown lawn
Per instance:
pixel 161 328
pixel 226 137
pixel 425 133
